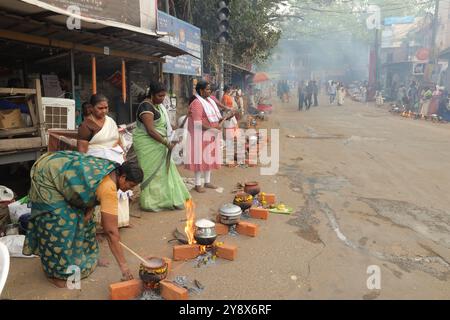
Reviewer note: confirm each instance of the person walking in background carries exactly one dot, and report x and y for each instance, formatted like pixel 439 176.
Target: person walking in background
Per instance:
pixel 332 91
pixel 315 93
pixel 301 95
pixel 341 94
pixel 309 94
pixel 413 96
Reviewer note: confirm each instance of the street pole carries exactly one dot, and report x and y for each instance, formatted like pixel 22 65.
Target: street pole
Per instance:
pixel 167 6
pixel 377 54
pixel 221 72
pixel 434 50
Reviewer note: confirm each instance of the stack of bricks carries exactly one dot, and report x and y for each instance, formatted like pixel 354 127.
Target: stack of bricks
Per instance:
pixel 133 289
pixel 190 252
pixel 243 228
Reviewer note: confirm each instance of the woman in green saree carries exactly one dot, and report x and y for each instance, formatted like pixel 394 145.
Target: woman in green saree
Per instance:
pixel 163 188
pixel 65 188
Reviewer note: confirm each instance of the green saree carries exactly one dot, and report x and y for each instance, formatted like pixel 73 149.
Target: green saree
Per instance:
pixel 162 189
pixel 63 185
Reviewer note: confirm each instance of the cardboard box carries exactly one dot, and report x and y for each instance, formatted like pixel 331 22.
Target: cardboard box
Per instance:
pixel 10 119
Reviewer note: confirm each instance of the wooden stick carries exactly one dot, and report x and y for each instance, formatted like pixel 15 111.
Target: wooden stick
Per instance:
pixel 134 253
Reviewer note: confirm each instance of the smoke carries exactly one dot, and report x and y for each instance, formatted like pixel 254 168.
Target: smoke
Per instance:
pixel 336 56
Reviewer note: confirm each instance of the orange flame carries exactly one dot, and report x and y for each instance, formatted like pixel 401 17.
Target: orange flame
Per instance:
pixel 203 249
pixel 190 216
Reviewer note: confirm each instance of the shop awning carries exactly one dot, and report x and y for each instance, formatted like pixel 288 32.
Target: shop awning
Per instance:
pixel 239 68
pixel 31 24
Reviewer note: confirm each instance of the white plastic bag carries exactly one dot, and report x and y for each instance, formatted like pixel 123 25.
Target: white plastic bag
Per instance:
pixel 16 210
pixel 14 244
pixel 6 194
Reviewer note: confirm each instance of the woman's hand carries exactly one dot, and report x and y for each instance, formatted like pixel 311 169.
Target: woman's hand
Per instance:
pixel 126 273
pixel 171 145
pixel 88 214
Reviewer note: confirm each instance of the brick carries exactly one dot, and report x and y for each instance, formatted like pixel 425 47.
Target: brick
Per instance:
pixel 227 252
pixel 270 198
pixel 169 264
pixel 247 229
pixel 126 290
pixel 171 291
pixel 222 229
pixel 186 252
pixel 259 213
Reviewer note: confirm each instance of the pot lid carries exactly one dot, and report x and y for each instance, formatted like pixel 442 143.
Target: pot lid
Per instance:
pixel 230 209
pixel 205 223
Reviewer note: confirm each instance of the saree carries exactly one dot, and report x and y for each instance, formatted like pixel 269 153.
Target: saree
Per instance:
pixel 63 186
pixel 162 188
pixel 105 143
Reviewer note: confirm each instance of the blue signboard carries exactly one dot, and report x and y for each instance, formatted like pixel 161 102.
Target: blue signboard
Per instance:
pixel 184 36
pixel 398 20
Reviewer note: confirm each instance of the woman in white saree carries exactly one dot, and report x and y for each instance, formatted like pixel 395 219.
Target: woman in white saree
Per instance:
pixel 99 137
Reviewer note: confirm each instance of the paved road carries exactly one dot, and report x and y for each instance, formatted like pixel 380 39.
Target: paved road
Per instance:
pixel 369 189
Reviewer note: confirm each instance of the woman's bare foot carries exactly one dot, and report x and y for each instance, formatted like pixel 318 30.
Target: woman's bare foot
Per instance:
pixel 210 186
pixel 58 283
pixel 130 226
pixel 200 189
pixel 103 263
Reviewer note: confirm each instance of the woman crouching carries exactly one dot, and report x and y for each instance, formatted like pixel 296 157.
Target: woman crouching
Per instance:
pixel 65 188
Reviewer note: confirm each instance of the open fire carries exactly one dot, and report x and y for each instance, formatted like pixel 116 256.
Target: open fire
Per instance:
pixel 190 220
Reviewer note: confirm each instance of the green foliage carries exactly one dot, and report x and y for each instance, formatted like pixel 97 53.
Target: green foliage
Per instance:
pixel 253 30
pixel 337 18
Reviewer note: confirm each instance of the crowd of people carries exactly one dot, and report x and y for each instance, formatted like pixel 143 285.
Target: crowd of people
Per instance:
pixel 67 186
pixel 426 100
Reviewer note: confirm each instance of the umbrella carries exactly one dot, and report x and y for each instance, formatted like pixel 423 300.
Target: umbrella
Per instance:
pixel 260 77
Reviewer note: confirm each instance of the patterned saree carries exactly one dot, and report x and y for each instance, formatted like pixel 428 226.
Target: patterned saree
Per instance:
pixel 63 186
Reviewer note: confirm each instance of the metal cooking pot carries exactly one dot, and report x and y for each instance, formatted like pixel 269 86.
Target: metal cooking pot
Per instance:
pixel 205 232
pixel 230 214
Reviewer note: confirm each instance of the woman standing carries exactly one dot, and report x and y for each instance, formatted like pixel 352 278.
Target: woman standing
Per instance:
pixel 341 94
pixel 203 147
pixel 301 95
pixel 65 187
pixel 98 135
pixel 230 125
pixel 163 188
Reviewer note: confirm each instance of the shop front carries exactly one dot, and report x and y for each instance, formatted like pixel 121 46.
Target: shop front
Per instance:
pixel 52 69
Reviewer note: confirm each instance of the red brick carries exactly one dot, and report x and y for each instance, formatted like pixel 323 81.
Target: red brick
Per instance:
pixel 259 213
pixel 171 291
pixel 270 198
pixel 186 252
pixel 169 264
pixel 227 252
pixel 126 290
pixel 222 229
pixel 247 229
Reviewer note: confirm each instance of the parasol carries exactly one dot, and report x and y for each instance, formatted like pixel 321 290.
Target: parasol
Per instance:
pixel 261 77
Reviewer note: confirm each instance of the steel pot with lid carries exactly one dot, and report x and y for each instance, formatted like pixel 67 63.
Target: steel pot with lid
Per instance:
pixel 230 214
pixel 205 232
